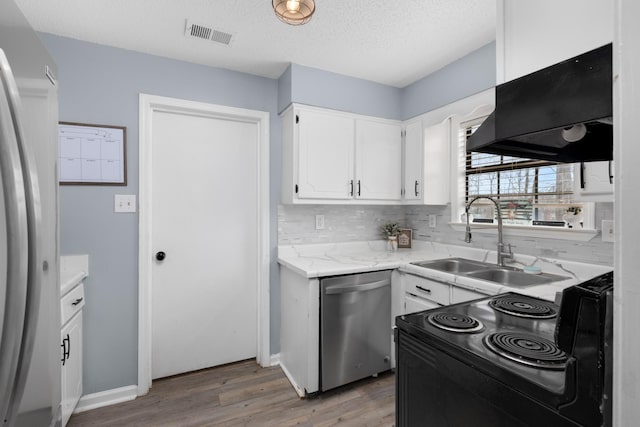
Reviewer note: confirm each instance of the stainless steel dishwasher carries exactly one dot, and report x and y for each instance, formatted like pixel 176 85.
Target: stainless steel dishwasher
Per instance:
pixel 355 327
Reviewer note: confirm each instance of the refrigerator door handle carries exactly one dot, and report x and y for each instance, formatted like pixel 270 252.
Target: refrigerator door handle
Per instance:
pixel 15 206
pixel 34 221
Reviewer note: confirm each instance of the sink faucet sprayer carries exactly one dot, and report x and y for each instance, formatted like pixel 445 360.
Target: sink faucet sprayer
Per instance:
pixel 467 235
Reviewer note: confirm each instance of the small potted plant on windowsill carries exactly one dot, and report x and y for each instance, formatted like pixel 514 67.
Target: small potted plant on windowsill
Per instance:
pixel 391 231
pixel 573 216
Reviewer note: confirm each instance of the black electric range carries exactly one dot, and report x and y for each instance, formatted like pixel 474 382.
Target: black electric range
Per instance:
pixel 509 360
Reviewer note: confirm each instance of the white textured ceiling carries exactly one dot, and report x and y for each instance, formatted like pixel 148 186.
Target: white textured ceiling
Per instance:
pixel 390 42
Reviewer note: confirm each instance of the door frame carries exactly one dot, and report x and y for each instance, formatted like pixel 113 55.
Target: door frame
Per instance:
pixel 148 105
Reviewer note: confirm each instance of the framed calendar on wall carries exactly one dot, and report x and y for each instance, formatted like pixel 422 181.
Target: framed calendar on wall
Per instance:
pixel 92 154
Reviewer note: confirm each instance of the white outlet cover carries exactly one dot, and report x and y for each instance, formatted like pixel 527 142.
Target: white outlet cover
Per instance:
pixel 607 231
pixel 124 203
pixel 432 221
pixel 319 222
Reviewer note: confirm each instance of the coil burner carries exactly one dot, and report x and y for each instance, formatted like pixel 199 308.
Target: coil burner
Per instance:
pixel 521 306
pixel 455 322
pixel 526 349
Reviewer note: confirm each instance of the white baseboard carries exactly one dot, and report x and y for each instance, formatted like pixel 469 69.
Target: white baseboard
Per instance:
pixel 301 392
pixel 275 360
pixel 106 398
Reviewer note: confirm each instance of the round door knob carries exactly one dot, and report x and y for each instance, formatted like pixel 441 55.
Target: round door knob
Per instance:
pixel 160 256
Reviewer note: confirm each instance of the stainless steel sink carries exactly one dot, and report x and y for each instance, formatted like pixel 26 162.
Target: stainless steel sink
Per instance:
pixel 511 277
pixel 454 265
pixel 508 276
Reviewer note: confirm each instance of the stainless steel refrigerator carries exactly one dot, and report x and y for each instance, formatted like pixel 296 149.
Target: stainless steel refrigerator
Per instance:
pixel 29 270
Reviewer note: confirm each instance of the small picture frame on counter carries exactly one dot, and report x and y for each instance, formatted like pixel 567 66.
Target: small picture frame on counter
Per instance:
pixel 404 238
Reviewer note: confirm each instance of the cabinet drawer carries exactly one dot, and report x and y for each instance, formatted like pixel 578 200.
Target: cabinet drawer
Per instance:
pixel 413 304
pixel 427 288
pixel 71 303
pixel 462 295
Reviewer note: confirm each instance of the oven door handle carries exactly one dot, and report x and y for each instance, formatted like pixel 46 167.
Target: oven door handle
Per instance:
pixel 343 289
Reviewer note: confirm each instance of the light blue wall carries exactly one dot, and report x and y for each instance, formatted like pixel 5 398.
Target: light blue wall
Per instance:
pixel 284 89
pixel 100 85
pixel 320 88
pixel 468 75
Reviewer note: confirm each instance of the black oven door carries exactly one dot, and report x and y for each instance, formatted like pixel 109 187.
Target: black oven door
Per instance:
pixel 436 389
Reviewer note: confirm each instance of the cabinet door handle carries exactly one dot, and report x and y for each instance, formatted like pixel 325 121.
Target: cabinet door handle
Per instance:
pixel 358 187
pixel 77 301
pixel 610 172
pixel 582 183
pixel 415 188
pixel 66 349
pixel 423 289
pixel 351 184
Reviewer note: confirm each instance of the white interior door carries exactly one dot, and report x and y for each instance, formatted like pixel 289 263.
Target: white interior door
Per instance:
pixel 205 219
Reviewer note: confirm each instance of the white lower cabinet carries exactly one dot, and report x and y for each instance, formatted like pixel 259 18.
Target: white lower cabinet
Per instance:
pixel 71 366
pixel 413 303
pixel 71 350
pixel 459 294
pixel 430 289
pixel 421 293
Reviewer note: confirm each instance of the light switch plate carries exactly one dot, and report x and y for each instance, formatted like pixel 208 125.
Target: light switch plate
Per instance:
pixel 607 231
pixel 124 203
pixel 432 221
pixel 319 222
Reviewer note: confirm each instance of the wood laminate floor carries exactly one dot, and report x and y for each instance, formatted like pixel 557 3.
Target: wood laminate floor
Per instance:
pixel 244 394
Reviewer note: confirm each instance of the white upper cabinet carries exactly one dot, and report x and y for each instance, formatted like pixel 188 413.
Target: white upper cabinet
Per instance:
pixel 593 181
pixel 413 161
pixel 378 160
pixel 437 140
pixel 335 157
pixel 571 27
pixel 427 163
pixel 326 145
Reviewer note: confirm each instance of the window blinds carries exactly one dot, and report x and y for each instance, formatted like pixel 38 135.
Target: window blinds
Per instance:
pixel 528 191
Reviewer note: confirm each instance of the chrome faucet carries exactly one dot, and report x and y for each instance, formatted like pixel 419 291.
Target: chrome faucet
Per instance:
pixel 502 255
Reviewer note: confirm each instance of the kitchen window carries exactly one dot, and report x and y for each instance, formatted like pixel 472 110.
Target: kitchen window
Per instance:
pixel 533 194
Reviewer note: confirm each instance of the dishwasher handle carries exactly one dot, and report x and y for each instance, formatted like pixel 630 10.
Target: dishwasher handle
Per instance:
pixel 343 289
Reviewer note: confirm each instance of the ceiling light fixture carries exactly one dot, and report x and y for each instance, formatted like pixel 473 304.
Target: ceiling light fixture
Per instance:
pixel 294 12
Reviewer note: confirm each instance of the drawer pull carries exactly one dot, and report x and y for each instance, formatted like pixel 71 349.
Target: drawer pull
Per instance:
pixel 76 302
pixel 424 289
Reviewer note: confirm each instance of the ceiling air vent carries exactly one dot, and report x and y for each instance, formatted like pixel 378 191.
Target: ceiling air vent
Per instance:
pixel 207 32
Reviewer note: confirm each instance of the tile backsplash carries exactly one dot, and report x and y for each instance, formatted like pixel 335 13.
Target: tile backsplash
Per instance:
pixel 594 251
pixel 296 225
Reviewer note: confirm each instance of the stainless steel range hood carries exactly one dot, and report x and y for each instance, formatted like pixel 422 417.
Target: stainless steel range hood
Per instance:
pixel 561 113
